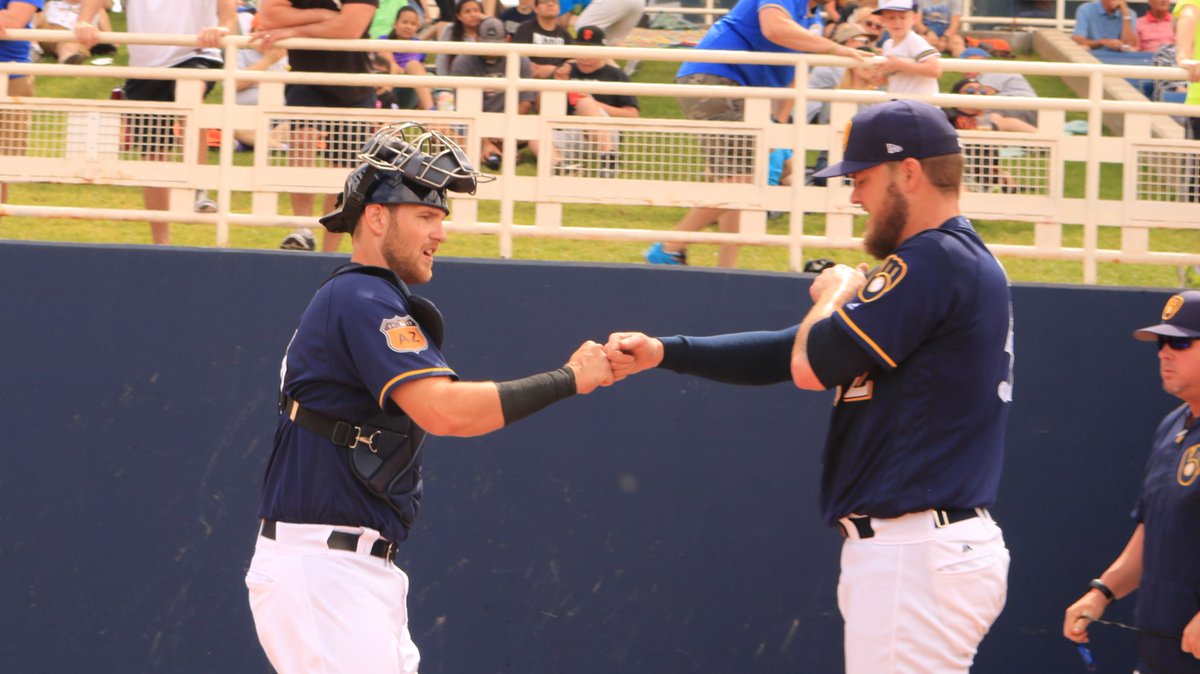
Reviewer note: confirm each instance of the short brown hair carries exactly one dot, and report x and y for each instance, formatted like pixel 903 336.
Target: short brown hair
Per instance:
pixel 944 172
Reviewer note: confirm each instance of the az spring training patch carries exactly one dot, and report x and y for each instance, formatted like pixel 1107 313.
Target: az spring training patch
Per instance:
pixel 403 334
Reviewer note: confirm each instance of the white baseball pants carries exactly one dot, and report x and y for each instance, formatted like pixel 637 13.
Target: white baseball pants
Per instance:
pixel 321 611
pixel 918 599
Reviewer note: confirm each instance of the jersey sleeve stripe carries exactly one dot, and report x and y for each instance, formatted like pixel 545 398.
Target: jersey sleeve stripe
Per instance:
pixel 870 342
pixel 409 375
pixel 926 54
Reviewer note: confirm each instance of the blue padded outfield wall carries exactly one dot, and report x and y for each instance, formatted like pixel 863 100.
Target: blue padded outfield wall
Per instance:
pixel 663 525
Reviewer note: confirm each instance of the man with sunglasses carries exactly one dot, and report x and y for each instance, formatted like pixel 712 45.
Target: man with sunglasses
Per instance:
pixel 1161 560
pixel 363 381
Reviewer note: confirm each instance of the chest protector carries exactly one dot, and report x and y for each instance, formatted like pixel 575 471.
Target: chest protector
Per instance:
pixel 383 450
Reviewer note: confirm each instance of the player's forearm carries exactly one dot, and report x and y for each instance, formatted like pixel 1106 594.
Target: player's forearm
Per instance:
pixel 834 288
pixel 746 358
pixel 1123 576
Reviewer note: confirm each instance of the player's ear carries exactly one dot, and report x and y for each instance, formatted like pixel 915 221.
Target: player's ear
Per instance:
pixel 909 171
pixel 375 218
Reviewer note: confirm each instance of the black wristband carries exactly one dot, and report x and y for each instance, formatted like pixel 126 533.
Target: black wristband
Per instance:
pixel 1098 584
pixel 521 397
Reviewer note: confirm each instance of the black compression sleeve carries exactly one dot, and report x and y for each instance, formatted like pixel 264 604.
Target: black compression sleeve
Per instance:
pixel 834 357
pixel 521 397
pixel 748 358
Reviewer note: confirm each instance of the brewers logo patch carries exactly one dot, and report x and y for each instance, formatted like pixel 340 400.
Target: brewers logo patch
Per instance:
pixel 1172 307
pixel 403 334
pixel 1189 466
pixel 888 276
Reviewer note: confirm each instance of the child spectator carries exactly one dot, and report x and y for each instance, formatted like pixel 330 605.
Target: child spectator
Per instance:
pixel 594 68
pixel 913 65
pixel 408 21
pixel 1155 28
pixel 513 17
pixel 473 65
pixel 467 16
pixel 544 29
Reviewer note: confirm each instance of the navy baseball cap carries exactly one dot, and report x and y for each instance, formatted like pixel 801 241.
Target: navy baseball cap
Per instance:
pixel 893 131
pixel 1180 318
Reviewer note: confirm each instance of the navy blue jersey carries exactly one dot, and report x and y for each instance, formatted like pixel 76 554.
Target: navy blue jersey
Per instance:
pixel 356 342
pixel 1168 594
pixel 924 427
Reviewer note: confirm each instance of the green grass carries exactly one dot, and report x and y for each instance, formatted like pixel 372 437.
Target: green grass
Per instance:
pixel 661 218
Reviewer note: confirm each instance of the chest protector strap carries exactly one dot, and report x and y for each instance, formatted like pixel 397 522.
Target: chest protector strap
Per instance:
pixel 384 450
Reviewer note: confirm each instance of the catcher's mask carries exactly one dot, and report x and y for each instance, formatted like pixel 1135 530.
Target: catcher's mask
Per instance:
pixel 403 164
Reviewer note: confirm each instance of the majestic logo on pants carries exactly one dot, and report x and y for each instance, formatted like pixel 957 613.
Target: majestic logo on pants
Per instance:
pixel 403 334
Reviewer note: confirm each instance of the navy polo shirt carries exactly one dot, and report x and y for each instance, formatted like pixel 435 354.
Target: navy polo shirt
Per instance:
pixel 1168 594
pixel 924 428
pixel 356 341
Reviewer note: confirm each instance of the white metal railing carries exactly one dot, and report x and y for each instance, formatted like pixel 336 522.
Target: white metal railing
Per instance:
pixel 1020 177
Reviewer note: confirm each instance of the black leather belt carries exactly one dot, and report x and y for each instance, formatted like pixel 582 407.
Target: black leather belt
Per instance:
pixel 941 518
pixel 342 540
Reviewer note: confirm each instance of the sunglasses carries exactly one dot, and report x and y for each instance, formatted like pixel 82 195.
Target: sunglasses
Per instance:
pixel 1175 343
pixel 872 24
pixel 974 90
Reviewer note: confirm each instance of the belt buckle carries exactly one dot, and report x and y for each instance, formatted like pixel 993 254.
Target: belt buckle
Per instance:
pixel 941 519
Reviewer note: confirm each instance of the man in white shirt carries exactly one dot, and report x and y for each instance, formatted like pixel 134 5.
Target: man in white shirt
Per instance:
pixel 209 20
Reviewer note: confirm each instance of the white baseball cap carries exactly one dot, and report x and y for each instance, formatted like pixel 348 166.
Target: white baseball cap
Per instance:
pixel 896 6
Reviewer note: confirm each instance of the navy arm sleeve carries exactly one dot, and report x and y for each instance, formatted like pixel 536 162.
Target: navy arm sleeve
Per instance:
pixel 835 358
pixel 748 358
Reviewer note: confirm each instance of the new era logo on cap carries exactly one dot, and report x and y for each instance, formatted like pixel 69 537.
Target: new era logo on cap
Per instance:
pixel 893 131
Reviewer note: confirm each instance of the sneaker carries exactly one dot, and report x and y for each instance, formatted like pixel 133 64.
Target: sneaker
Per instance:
pixel 608 165
pixel 300 239
pixel 204 204
pixel 74 59
pixel 492 161
pixel 656 255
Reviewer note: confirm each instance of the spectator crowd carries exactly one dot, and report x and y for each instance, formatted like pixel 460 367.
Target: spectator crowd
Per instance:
pixel 900 44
